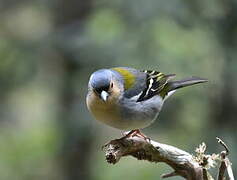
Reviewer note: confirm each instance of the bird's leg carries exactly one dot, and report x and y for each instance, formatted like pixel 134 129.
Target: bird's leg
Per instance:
pixel 132 133
pixel 138 133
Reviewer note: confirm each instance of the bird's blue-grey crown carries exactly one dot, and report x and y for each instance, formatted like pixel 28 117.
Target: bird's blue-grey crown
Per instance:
pixel 100 80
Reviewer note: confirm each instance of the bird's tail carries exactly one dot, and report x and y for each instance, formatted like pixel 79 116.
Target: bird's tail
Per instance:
pixel 173 85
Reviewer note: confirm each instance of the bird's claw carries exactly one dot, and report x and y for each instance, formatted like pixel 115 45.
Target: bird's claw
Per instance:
pixel 138 133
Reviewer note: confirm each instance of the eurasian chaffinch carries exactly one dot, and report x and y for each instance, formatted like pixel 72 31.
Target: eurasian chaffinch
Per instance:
pixel 131 99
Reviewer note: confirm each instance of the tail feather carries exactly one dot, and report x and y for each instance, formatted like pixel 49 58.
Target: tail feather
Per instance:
pixel 173 85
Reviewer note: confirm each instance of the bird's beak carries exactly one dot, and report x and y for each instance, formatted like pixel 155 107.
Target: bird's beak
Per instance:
pixel 104 95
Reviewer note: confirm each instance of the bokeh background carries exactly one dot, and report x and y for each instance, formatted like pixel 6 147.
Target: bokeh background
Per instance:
pixel 48 49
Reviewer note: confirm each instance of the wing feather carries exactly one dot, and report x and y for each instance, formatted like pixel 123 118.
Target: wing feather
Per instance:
pixel 155 82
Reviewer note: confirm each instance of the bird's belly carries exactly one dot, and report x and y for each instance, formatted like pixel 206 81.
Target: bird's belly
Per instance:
pixel 123 123
pixel 121 120
pixel 138 120
pixel 128 116
pixel 137 115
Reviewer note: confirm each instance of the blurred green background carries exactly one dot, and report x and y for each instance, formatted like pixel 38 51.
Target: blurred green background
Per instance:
pixel 48 49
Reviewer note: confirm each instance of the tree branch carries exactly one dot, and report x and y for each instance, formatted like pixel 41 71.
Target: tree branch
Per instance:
pixel 184 164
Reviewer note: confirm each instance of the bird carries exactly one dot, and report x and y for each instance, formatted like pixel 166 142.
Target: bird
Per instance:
pixel 129 99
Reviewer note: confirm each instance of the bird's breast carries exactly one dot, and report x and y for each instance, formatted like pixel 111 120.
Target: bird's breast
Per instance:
pixel 106 112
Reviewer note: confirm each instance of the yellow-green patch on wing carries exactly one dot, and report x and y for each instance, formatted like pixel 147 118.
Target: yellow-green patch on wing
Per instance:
pixel 129 78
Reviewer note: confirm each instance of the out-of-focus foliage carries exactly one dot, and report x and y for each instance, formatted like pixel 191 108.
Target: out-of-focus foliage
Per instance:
pixel 48 49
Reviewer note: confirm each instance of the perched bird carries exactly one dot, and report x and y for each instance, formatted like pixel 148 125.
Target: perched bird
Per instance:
pixel 131 99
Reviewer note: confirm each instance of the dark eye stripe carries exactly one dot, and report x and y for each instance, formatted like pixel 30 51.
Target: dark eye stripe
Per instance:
pixel 103 88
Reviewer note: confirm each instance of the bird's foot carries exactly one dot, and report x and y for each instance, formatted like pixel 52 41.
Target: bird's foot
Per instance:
pixel 138 133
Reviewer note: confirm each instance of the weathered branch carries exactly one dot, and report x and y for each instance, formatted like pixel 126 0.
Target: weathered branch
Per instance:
pixel 225 163
pixel 184 164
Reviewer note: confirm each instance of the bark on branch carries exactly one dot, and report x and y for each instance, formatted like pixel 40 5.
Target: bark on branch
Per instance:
pixel 184 164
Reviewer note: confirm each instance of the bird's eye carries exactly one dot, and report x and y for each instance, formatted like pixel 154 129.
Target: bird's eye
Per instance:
pixel 112 84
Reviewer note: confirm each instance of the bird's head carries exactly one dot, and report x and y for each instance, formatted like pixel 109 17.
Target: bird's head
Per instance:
pixel 103 84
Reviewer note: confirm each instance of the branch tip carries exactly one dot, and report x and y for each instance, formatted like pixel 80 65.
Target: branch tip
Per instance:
pixel 224 145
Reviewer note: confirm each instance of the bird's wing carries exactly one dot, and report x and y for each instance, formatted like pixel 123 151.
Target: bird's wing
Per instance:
pixel 142 85
pixel 155 82
pixel 133 80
